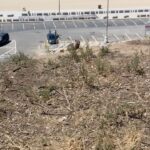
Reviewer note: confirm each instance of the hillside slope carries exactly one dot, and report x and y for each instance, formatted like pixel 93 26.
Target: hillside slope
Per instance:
pixel 85 100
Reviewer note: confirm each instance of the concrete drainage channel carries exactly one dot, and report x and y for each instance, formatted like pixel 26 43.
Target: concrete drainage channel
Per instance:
pixel 8 50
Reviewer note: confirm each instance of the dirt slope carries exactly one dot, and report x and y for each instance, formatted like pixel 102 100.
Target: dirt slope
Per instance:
pixel 81 101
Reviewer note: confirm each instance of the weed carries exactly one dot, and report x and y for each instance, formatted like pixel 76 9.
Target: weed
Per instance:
pixel 134 65
pixel 104 51
pixel 20 59
pixel 103 66
pixel 52 64
pixel 131 111
pixel 100 65
pixel 73 53
pixel 84 73
pixel 131 139
pixel 87 54
pixel 46 92
pixel 105 142
pixel 87 78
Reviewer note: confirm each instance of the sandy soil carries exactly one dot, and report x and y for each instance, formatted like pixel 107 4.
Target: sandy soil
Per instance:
pixel 68 4
pixel 77 102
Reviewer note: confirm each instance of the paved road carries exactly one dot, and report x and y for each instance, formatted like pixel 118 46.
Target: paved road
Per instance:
pixel 29 41
pixel 30 36
pixel 15 27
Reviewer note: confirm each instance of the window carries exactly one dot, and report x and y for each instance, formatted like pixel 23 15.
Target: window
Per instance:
pixel 73 13
pixel 93 12
pixel 9 20
pixel 140 10
pixel 126 16
pixel 74 18
pixel 81 18
pixel 143 15
pixel 87 13
pixel 45 14
pixel 112 11
pixel 24 14
pixel 65 13
pixel 41 19
pixel 115 17
pixel 1 15
pixel 93 18
pixel 32 19
pixel 127 11
pixel 11 15
pixel 15 20
pixel 120 11
pixel 146 10
pixel 62 19
pixel 53 14
pixel 55 18
pixel 39 14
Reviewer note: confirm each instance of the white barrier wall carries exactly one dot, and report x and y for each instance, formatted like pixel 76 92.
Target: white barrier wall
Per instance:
pixel 8 50
pixel 73 14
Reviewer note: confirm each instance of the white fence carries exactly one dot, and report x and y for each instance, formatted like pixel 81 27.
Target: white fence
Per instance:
pixel 8 50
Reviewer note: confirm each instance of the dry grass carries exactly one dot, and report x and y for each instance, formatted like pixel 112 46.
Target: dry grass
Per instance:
pixel 81 101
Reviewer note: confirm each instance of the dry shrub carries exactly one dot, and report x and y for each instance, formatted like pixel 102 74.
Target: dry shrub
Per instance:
pixel 75 144
pixel 104 51
pixel 105 142
pixel 21 59
pixel 135 65
pixel 140 42
pixel 73 53
pixel 103 67
pixel 131 139
pixel 51 107
pixel 86 54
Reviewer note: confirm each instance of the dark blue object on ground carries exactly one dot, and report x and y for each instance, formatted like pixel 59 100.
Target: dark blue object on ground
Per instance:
pixel 52 37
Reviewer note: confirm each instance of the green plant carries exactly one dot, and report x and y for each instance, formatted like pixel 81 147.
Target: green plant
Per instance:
pixel 46 92
pixel 52 64
pixel 86 54
pixel 103 66
pixel 104 51
pixel 100 65
pixel 86 76
pixel 134 65
pixel 84 72
pixel 20 59
pixel 105 142
pixel 73 53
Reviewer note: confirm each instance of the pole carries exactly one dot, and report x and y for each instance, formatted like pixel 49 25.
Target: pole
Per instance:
pixel 59 7
pixel 107 24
